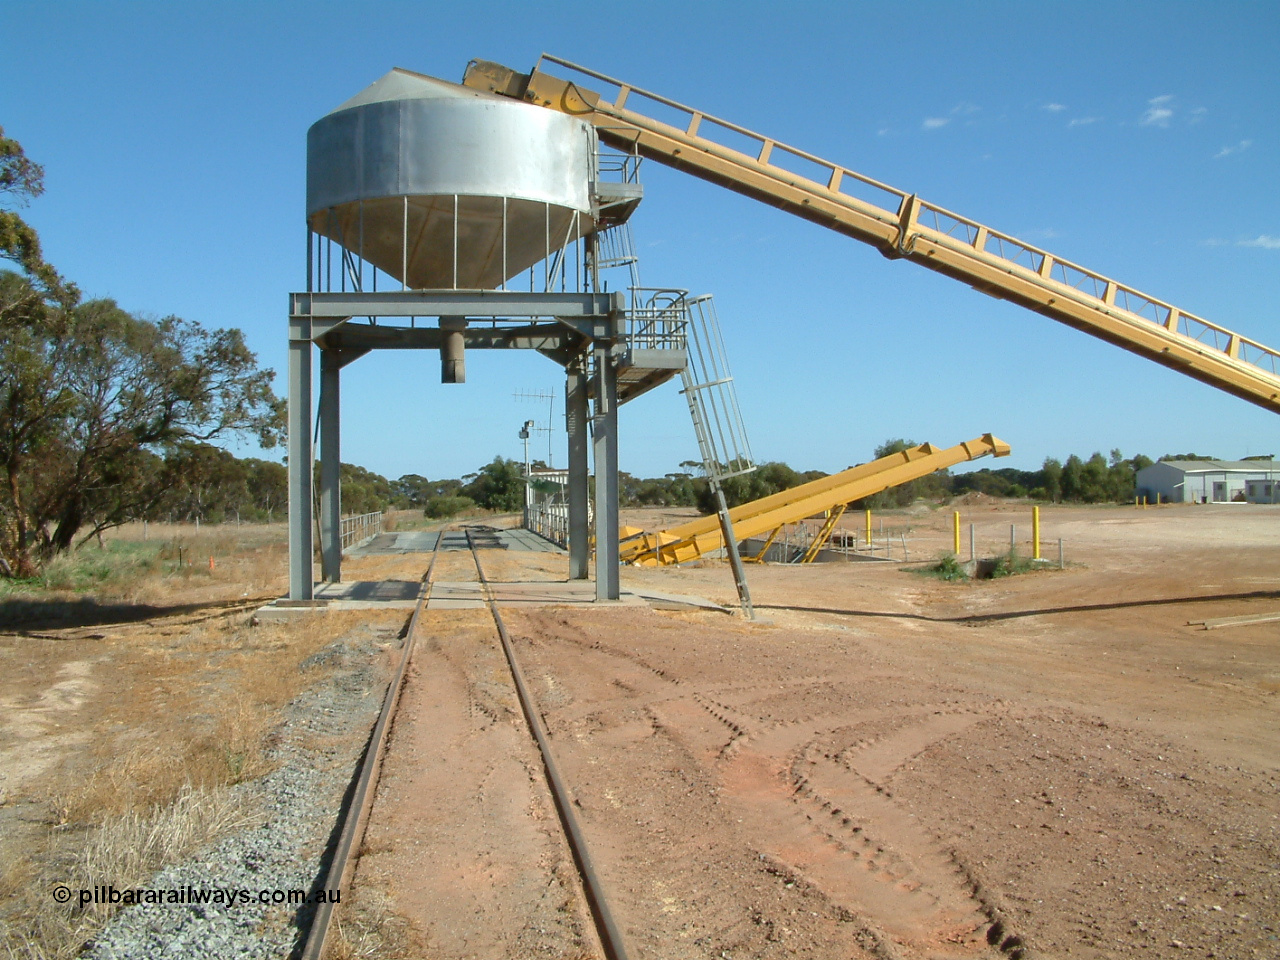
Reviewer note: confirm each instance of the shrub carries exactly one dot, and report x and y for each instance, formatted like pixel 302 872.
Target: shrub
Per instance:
pixel 442 508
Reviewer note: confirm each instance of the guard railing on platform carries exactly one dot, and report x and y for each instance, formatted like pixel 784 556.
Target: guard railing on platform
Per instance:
pixel 357 529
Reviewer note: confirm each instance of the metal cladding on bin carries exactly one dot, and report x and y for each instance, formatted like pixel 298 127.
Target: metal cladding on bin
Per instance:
pixel 442 186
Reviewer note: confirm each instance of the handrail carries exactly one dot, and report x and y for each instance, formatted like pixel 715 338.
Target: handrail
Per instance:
pixel 992 261
pixel 358 528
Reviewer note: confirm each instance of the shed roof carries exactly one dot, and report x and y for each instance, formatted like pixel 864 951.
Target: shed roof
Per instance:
pixel 1218 466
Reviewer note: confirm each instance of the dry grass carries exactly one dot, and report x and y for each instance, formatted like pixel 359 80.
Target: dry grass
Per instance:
pixel 369 929
pixel 162 565
pixel 128 848
pixel 175 710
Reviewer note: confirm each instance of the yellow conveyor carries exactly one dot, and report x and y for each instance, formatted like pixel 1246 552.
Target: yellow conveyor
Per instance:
pixel 699 537
pixel 901 225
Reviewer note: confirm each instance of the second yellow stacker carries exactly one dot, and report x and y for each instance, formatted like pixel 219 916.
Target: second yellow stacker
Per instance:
pixel 828 495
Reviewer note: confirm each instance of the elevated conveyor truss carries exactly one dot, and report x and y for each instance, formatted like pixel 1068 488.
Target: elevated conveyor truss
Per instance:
pixel 899 224
pixel 828 495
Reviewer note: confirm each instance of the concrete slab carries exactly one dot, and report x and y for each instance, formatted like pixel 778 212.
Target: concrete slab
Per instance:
pixel 521 539
pixel 372 590
pixel 464 595
pixel 677 601
pixel 552 593
pixel 469 595
pixel 412 541
pixel 456 595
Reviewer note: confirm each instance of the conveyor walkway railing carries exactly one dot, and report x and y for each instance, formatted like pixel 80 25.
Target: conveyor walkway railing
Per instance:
pixel 899 224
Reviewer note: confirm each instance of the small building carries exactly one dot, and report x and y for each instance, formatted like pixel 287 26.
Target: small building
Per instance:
pixel 1210 481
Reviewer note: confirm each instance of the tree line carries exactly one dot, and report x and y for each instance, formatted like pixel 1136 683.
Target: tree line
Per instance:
pixel 108 417
pixel 499 485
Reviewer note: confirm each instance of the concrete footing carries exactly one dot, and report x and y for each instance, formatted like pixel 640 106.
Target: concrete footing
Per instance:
pixel 468 594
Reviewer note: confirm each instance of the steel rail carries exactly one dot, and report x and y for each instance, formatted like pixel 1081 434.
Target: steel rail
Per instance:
pixel 606 928
pixel 357 812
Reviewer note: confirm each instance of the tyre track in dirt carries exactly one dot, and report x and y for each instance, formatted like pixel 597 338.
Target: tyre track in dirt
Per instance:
pixel 825 820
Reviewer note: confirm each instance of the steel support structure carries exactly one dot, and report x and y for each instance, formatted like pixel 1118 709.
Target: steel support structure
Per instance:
pixel 330 467
pixel 604 425
pixel 576 413
pixel 574 329
pixel 301 456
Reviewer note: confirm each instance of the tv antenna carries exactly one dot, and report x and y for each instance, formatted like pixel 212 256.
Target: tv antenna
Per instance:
pixel 549 398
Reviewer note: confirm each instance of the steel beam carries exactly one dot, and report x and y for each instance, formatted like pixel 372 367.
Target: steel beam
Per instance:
pixel 362 337
pixel 301 544
pixel 605 427
pixel 575 415
pixel 330 468
pixel 485 304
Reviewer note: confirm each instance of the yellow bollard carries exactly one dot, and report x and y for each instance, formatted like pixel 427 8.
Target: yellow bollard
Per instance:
pixel 1035 533
pixel 955 529
pixel 869 529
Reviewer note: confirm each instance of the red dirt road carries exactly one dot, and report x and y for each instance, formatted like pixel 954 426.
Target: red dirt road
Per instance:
pixel 888 766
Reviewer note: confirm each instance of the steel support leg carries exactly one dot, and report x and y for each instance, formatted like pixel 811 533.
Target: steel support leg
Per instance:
pixel 576 414
pixel 301 544
pixel 731 548
pixel 330 469
pixel 605 424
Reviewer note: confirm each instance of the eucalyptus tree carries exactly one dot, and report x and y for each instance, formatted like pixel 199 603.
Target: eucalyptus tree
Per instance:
pixel 92 397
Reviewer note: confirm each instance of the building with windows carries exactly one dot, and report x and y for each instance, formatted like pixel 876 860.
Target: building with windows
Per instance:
pixel 1210 481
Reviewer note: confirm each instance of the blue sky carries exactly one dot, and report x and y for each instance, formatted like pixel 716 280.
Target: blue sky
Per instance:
pixel 1141 140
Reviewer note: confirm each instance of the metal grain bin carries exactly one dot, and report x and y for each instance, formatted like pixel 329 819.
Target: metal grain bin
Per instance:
pixel 442 186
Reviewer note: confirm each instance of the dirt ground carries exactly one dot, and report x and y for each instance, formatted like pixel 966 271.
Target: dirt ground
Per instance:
pixel 884 765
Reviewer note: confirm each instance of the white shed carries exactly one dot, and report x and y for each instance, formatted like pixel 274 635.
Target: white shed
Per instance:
pixel 1210 481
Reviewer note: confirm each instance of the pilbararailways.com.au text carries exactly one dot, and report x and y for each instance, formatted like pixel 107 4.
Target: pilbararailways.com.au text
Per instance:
pixel 221 896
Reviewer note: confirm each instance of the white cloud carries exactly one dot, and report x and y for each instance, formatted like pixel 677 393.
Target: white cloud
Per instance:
pixel 1238 148
pixel 1263 241
pixel 1054 107
pixel 1159 111
pixel 962 109
pixel 1197 114
pixel 883 132
pixel 1083 121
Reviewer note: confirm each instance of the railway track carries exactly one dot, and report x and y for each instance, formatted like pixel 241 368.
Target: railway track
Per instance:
pixel 356 815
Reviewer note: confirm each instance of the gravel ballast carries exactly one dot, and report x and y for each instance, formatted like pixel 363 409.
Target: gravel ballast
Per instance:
pixel 297 806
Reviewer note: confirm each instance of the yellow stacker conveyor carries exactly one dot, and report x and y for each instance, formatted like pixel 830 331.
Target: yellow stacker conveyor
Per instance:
pixel 900 225
pixel 827 495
